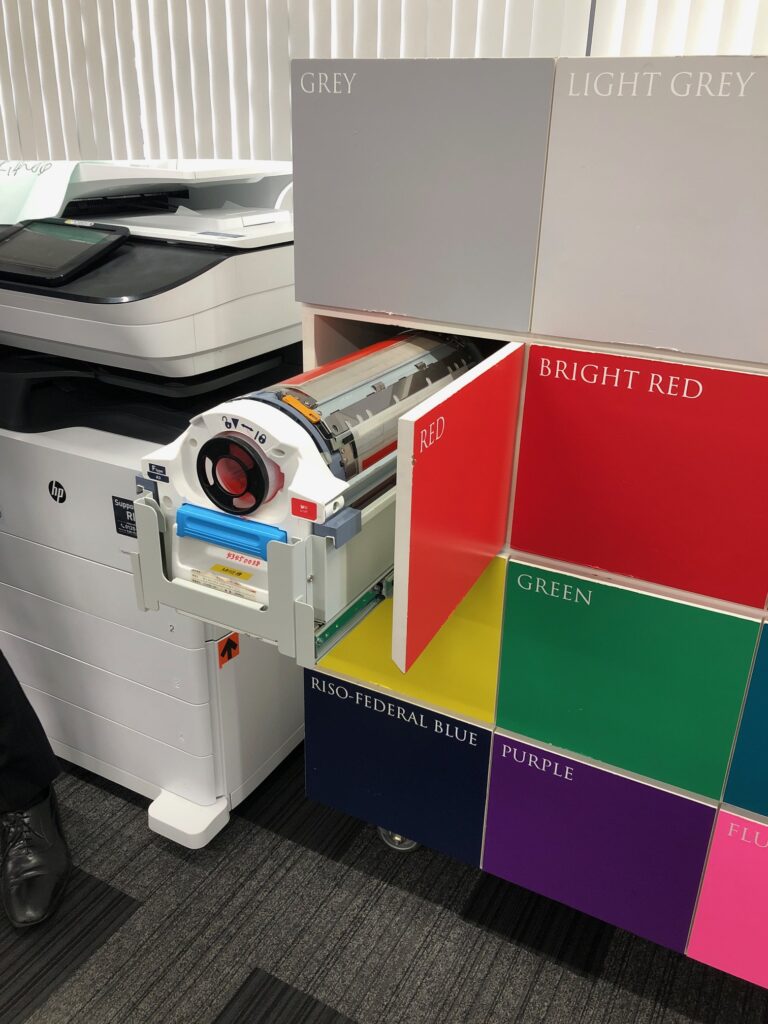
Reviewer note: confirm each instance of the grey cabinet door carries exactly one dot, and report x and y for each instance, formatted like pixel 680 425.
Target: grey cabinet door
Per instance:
pixel 418 185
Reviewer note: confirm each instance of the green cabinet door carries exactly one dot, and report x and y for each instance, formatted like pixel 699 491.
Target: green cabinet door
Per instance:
pixel 651 685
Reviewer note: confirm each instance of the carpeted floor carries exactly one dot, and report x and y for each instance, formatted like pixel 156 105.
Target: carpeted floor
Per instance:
pixel 295 914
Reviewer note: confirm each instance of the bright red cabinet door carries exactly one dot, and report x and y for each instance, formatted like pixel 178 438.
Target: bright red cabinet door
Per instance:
pixel 648 469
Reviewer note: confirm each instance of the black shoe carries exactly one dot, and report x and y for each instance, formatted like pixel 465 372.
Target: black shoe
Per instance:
pixel 35 862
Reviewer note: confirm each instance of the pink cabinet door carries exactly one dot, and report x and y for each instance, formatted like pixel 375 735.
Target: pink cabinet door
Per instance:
pixel 730 930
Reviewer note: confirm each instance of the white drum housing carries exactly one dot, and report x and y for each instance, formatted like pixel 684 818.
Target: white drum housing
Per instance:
pixel 290 475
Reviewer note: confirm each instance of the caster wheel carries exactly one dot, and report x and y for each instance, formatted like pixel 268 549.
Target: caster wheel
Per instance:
pixel 397 842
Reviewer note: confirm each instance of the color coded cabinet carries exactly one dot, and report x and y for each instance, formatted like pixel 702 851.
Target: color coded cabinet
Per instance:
pixel 569 732
pixel 730 931
pixel 580 712
pixel 648 469
pixel 623 851
pixel 651 685
pixel 567 728
pixel 397 764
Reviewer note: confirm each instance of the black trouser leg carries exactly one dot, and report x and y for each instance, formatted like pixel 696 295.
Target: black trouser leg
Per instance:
pixel 27 763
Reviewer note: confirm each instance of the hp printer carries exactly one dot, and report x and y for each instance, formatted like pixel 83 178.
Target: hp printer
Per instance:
pixel 145 296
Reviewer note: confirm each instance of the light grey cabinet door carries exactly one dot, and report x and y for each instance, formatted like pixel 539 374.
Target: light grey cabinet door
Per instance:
pixel 655 222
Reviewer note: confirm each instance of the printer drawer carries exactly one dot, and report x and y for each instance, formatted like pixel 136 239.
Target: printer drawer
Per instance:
pixel 105 645
pixel 107 593
pixel 110 697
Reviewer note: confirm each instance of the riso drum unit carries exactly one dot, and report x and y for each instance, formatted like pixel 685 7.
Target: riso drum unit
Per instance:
pixel 274 513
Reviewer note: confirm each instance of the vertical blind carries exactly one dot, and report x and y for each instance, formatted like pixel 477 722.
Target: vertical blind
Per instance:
pixel 122 79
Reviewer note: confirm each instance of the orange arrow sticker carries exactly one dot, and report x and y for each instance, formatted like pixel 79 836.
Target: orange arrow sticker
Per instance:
pixel 229 648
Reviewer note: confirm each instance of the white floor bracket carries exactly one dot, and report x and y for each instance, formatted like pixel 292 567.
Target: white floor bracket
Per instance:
pixel 189 824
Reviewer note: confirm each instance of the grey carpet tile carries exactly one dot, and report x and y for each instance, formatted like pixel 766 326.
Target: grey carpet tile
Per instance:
pixel 554 930
pixel 74 771
pixel 365 933
pixel 282 808
pixel 263 999
pixel 36 962
pixel 646 984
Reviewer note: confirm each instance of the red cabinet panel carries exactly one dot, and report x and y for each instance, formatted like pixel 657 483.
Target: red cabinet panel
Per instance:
pixel 454 477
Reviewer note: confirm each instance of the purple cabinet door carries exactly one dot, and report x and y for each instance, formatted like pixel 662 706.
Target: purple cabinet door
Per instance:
pixel 616 848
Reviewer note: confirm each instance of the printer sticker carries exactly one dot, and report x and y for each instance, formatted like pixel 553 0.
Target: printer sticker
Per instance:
pixel 224 586
pixel 125 517
pixel 156 472
pixel 228 570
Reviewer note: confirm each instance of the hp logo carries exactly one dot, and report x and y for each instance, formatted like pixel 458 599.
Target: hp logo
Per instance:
pixel 57 492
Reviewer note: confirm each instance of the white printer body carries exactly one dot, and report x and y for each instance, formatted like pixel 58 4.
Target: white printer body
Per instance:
pixel 175 301
pixel 194 307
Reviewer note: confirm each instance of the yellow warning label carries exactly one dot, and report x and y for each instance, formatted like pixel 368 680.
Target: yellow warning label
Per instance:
pixel 224 586
pixel 228 570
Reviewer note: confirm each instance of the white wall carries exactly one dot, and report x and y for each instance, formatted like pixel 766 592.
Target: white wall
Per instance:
pixel 116 79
